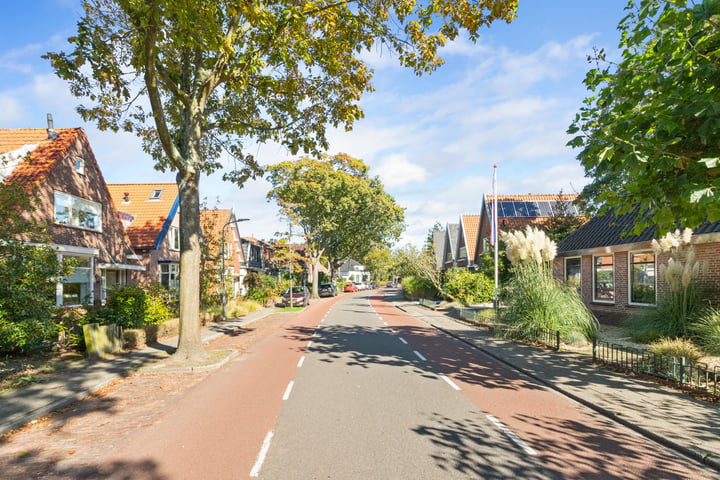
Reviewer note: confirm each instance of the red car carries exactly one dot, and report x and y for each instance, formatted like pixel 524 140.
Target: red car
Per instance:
pixel 349 287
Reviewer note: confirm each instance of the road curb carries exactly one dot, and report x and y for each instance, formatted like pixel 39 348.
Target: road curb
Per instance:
pixel 695 454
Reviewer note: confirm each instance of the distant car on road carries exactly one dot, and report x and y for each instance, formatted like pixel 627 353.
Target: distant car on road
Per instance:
pixel 349 287
pixel 327 290
pixel 300 297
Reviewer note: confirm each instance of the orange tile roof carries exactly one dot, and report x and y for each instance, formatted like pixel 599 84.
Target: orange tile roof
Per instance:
pixel 213 221
pixel 471 229
pixel 149 214
pixel 42 158
pixel 534 197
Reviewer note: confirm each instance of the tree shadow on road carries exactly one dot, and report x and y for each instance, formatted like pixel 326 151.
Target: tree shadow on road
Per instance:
pixel 467 447
pixel 33 464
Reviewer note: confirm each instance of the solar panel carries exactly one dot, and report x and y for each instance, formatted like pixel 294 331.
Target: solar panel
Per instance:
pixel 532 209
pixel 545 209
pixel 521 209
pixel 507 209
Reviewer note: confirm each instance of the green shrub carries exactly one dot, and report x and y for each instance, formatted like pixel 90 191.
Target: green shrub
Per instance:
pixel 416 287
pixel 467 287
pixel 706 330
pixel 126 305
pixel 676 347
pixel 157 305
pixel 262 288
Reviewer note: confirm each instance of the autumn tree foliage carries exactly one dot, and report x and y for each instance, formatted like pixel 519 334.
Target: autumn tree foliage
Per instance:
pixel 197 78
pixel 341 210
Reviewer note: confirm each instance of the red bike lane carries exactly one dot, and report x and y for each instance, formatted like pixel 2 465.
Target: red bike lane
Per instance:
pixel 217 429
pixel 566 436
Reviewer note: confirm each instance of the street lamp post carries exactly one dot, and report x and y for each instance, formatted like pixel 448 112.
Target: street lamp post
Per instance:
pixel 223 293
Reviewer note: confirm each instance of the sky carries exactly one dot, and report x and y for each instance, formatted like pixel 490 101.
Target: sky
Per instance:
pixel 506 100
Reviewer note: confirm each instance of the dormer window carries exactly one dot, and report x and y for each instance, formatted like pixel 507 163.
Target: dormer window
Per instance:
pixel 80 165
pixel 156 194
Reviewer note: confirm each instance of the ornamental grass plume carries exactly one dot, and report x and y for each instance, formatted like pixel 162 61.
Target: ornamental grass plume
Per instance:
pixel 536 302
pixel 673 312
pixel 533 244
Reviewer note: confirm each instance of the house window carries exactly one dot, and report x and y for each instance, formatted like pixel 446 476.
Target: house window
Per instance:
pixel 76 288
pixel 77 212
pixel 642 278
pixel 156 195
pixel 573 274
pixel 170 275
pixel 80 165
pixel 174 238
pixel 604 279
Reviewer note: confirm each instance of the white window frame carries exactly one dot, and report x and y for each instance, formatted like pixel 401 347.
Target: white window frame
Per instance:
pixel 630 276
pixel 90 283
pixel 174 239
pixel 80 165
pixel 74 208
pixel 594 280
pixel 173 274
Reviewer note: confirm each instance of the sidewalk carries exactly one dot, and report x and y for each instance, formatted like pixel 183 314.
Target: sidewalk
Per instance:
pixel 34 401
pixel 669 417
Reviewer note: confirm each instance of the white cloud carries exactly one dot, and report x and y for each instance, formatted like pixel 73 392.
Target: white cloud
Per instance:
pixel 397 171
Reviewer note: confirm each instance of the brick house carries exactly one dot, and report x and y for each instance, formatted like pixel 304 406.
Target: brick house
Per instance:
pixel 518 211
pixel 616 271
pixel 60 171
pixel 469 230
pixel 217 224
pixel 151 216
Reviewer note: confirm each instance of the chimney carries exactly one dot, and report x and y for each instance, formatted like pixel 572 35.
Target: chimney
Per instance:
pixel 52 134
pixel 126 197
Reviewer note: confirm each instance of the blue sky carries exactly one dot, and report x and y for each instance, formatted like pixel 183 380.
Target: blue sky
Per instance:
pixel 506 100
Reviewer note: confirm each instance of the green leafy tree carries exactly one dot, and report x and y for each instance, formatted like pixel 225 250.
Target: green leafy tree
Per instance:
pixel 649 133
pixel 29 269
pixel 340 209
pixel 563 222
pixel 410 261
pixel 378 262
pixel 200 77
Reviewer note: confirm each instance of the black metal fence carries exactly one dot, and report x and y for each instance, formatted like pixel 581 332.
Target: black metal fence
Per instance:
pixel 678 370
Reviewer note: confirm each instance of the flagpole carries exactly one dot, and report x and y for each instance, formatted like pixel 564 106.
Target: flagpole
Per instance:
pixel 495 239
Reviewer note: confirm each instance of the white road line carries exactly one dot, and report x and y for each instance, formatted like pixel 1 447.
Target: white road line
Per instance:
pixel 302 359
pixel 385 323
pixel 402 340
pixel 511 435
pixel 420 355
pixel 289 388
pixel 309 345
pixel 450 382
pixel 261 456
pixel 392 331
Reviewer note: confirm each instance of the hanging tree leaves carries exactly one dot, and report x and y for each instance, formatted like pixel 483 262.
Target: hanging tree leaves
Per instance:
pixel 195 78
pixel 650 134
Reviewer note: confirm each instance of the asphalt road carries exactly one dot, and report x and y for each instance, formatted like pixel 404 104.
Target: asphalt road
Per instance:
pixel 379 394
pixel 353 388
pixel 364 404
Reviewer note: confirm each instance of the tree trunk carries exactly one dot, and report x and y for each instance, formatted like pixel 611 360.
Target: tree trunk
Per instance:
pixel 190 348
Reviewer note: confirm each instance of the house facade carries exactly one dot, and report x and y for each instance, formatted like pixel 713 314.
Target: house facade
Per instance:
pixel 617 273
pixel 59 170
pixel 515 212
pixel 222 238
pixel 469 230
pixel 150 213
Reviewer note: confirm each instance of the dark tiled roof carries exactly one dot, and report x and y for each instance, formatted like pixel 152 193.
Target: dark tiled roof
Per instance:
pixel 609 230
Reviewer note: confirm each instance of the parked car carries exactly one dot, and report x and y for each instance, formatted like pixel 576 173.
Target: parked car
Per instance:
pixel 349 287
pixel 327 290
pixel 300 297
